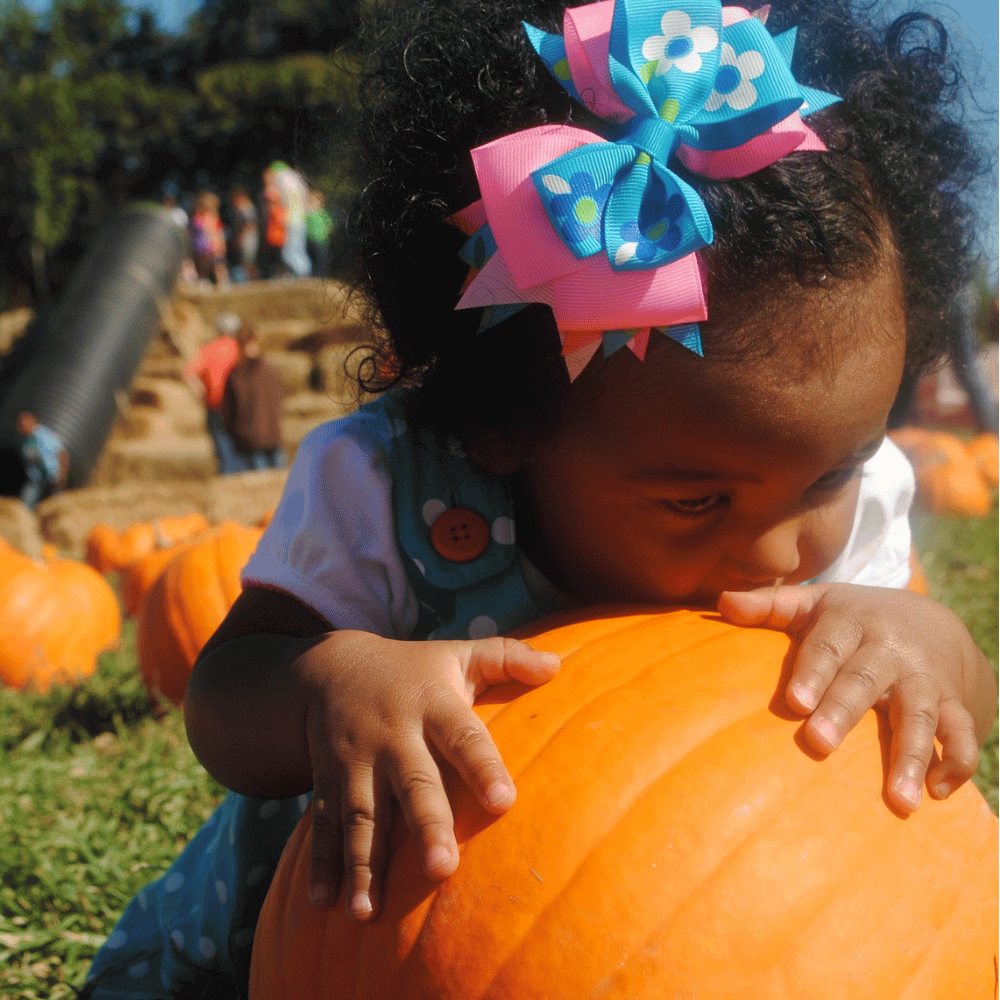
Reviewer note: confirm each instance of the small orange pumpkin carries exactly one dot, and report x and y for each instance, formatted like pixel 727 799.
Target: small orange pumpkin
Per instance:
pixel 138 577
pixel 671 838
pixel 985 452
pixel 110 550
pixel 187 603
pixel 918 578
pixel 947 477
pixel 56 616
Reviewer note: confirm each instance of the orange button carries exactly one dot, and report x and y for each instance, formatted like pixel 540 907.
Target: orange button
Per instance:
pixel 459 535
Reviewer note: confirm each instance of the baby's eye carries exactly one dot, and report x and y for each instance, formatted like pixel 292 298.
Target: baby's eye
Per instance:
pixel 696 506
pixel 837 478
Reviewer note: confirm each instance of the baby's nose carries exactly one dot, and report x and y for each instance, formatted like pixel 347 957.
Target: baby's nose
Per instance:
pixel 773 555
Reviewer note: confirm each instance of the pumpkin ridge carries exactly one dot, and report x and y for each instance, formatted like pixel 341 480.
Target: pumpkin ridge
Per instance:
pixel 939 944
pixel 491 710
pixel 46 607
pixel 816 775
pixel 585 629
pixel 672 773
pixel 929 948
pixel 596 651
pixel 668 764
pixel 834 893
pixel 865 872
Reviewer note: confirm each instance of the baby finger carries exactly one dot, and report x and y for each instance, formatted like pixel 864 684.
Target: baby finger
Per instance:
pixel 325 864
pixel 822 654
pixel 855 688
pixel 465 742
pixel 416 782
pixel 959 749
pixel 363 810
pixel 914 719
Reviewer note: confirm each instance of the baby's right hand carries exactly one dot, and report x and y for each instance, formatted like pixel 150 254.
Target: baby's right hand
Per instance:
pixel 377 710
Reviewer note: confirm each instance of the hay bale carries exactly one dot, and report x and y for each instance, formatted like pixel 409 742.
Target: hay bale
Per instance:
pixel 19 527
pixel 66 519
pixel 245 497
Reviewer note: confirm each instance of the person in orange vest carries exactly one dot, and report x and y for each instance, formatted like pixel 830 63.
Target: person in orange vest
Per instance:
pixel 206 374
pixel 275 233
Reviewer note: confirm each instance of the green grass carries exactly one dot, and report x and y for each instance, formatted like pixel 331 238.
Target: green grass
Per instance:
pixel 98 795
pixel 959 556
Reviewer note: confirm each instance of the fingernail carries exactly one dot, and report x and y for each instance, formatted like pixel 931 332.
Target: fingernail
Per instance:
pixel 909 791
pixel 942 790
pixel 827 732
pixel 320 894
pixel 361 905
pixel 499 795
pixel 437 859
pixel 552 659
pixel 805 696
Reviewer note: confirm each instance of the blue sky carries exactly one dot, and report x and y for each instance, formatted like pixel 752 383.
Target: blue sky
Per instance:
pixel 972 25
pixel 170 14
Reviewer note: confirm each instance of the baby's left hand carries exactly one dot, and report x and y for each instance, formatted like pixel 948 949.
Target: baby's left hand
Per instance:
pixel 899 651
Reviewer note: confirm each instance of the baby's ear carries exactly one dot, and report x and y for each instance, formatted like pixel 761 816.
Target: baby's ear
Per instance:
pixel 495 451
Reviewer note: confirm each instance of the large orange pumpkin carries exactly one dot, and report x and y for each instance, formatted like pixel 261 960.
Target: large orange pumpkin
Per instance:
pixel 109 549
pixel 56 616
pixel 671 839
pixel 187 603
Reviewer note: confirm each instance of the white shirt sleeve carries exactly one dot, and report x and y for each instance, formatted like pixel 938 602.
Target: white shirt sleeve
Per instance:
pixel 878 552
pixel 331 543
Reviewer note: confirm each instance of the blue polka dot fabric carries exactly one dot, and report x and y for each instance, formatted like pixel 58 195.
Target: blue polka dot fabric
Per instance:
pixel 199 918
pixel 485 596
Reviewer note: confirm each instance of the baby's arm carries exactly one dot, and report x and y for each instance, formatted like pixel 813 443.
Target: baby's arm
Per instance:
pixel 278 704
pixel 903 652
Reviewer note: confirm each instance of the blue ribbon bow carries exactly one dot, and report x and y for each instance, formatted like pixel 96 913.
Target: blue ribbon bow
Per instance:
pixel 687 79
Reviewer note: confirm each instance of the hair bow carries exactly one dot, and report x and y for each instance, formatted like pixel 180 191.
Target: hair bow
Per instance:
pixel 602 229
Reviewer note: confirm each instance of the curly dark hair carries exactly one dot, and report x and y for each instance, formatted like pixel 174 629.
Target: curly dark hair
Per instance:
pixel 446 77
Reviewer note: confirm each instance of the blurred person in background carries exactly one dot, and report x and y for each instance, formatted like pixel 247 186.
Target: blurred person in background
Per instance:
pixel 251 406
pixel 44 457
pixel 206 374
pixel 318 228
pixel 179 217
pixel 245 243
pixel 170 203
pixel 273 212
pixel 293 191
pixel 209 239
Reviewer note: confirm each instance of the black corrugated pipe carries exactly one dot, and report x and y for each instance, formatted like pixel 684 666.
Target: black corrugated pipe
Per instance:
pixel 67 368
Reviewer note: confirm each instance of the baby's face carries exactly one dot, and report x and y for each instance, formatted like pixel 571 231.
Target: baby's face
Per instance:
pixel 675 479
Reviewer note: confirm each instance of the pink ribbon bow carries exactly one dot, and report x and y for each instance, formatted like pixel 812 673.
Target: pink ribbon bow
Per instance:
pixel 532 263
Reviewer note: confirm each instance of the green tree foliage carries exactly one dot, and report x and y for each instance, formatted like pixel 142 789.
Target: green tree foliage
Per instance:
pixel 264 29
pixel 98 107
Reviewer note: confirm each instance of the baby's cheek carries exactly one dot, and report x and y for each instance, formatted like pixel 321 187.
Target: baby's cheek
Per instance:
pixel 826 532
